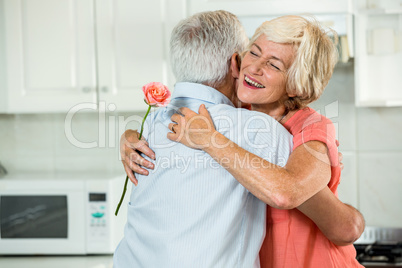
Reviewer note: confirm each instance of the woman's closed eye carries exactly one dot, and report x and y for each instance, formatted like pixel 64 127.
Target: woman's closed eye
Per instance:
pixel 269 62
pixel 253 53
pixel 273 65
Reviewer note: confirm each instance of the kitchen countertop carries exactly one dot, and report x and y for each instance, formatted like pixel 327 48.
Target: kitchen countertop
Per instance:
pixel 381 265
pixel 98 261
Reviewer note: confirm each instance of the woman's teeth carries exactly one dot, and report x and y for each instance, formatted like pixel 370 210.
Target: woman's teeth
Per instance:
pixel 252 83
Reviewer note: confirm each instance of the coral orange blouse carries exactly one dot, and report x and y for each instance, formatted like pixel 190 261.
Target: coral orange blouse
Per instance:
pixel 292 239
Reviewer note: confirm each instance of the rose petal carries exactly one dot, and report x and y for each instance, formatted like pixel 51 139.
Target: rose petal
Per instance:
pixel 156 94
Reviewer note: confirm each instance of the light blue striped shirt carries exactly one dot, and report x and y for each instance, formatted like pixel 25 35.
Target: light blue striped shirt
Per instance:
pixel 189 211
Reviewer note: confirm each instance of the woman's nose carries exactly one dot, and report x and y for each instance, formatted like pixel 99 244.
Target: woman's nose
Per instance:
pixel 256 67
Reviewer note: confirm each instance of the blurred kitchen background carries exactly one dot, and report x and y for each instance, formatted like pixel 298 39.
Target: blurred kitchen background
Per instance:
pixel 60 56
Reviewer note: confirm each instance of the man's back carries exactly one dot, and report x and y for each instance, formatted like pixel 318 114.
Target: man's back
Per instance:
pixel 190 212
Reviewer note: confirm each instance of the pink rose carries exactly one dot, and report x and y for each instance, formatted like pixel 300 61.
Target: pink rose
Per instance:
pixel 156 94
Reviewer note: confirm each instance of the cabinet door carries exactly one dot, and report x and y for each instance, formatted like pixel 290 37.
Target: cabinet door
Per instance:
pixel 270 7
pixel 49 54
pixel 378 61
pixel 3 87
pixel 133 39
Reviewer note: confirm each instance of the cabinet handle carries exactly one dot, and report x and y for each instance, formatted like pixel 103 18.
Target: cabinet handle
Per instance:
pixel 104 89
pixel 86 89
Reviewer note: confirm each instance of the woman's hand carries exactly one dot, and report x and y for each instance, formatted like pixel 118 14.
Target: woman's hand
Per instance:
pixel 340 157
pixel 194 130
pixel 130 149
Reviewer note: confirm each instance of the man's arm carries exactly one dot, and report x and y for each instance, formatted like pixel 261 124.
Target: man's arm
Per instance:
pixel 342 224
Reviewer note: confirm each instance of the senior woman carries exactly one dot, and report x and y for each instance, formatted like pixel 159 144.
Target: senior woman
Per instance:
pixel 287 65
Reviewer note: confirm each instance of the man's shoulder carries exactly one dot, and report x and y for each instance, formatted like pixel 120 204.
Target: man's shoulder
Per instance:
pixel 225 114
pixel 254 131
pixel 230 111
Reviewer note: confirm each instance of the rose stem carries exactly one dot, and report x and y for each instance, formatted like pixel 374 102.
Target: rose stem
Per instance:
pixel 125 183
pixel 143 120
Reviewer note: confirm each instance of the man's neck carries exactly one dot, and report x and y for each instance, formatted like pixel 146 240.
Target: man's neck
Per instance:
pixel 227 91
pixel 227 88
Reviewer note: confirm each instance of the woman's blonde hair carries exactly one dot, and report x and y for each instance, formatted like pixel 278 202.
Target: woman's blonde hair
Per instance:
pixel 315 56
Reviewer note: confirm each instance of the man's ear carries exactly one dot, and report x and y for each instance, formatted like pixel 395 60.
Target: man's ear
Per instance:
pixel 235 62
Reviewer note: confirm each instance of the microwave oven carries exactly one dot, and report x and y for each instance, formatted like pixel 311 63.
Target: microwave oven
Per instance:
pixel 60 214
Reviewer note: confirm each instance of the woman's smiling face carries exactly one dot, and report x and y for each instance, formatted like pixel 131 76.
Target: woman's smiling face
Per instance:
pixel 262 80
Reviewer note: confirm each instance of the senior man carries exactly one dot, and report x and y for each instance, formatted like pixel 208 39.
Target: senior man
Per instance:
pixel 189 211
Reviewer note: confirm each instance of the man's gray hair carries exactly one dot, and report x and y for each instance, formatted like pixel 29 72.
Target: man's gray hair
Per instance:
pixel 201 46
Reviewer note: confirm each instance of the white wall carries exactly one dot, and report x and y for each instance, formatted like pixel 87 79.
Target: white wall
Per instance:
pixel 38 142
pixel 370 142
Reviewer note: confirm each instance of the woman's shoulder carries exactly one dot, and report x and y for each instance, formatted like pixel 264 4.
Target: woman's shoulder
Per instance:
pixel 308 118
pixel 309 114
pixel 307 125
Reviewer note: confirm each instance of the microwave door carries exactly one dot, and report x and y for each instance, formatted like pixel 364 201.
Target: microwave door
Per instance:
pixel 42 223
pixel 34 216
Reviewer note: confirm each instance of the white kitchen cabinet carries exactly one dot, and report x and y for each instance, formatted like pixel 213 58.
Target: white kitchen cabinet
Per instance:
pixel 378 62
pixel 251 13
pixel 133 38
pixel 67 52
pixel 50 59
pixel 271 7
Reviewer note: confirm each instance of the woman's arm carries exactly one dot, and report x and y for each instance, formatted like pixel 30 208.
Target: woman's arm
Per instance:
pixel 286 187
pixel 280 187
pixel 340 223
pixel 130 149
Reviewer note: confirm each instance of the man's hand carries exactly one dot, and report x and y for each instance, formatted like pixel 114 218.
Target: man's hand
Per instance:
pixel 130 149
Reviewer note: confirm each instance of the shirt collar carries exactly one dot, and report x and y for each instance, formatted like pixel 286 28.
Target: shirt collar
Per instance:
pixel 200 92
